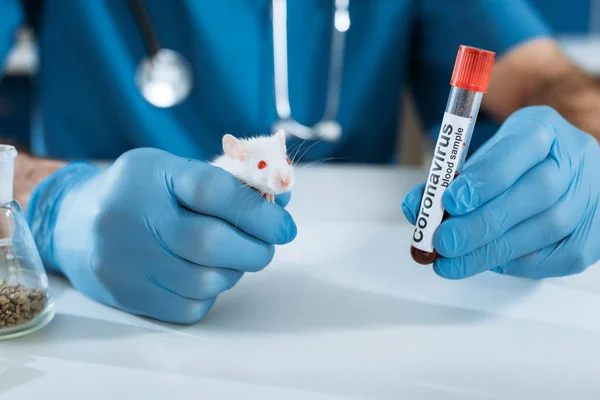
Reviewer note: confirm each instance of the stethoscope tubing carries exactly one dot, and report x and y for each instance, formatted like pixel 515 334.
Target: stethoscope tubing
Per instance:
pixel 144 23
pixel 327 128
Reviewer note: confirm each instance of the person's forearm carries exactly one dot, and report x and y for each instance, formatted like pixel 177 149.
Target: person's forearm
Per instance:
pixel 29 172
pixel 576 96
pixel 538 73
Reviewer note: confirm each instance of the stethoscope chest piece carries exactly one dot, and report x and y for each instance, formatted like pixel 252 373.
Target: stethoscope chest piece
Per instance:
pixel 329 130
pixel 164 79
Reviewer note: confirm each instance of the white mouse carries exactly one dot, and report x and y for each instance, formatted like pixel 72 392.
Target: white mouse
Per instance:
pixel 260 162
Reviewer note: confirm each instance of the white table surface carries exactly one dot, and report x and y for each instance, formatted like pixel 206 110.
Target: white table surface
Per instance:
pixel 342 313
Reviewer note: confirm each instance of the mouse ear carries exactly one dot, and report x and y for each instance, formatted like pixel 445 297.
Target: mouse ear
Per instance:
pixel 280 135
pixel 234 148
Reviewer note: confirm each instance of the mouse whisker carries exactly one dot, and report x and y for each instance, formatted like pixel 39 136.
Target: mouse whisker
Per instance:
pixel 237 190
pixel 297 146
pixel 255 199
pixel 253 195
pixel 230 196
pixel 320 161
pixel 305 151
pixel 252 198
pixel 293 147
pixel 298 150
pixel 241 187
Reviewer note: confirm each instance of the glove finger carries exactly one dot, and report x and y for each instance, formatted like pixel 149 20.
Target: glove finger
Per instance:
pixel 536 191
pixel 152 300
pixel 555 261
pixel 566 257
pixel 169 307
pixel 192 281
pixel 412 202
pixel 283 199
pixel 534 234
pixel 212 242
pixel 533 265
pixel 212 191
pixel 527 144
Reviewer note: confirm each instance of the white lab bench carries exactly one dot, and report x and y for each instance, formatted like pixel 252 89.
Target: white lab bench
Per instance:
pixel 342 313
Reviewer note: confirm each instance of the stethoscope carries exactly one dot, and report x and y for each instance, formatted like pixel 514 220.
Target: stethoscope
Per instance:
pixel 164 76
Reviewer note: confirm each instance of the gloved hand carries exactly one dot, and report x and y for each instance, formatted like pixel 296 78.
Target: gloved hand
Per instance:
pixel 155 234
pixel 526 203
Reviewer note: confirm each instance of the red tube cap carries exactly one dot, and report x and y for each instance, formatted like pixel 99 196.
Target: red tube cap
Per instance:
pixel 473 69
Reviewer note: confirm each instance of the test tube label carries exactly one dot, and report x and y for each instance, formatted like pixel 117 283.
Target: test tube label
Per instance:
pixel 447 160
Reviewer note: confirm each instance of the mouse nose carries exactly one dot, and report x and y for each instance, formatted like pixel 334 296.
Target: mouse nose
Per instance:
pixel 284 180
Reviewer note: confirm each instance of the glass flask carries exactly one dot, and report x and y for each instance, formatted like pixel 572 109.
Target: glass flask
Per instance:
pixel 25 302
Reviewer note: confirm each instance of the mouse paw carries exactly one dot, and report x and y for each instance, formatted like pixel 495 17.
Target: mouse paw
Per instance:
pixel 268 197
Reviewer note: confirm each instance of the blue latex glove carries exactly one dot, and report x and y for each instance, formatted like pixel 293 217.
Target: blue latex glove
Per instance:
pixel 526 203
pixel 155 234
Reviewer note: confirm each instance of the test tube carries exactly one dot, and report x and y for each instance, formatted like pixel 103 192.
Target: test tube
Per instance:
pixel 470 79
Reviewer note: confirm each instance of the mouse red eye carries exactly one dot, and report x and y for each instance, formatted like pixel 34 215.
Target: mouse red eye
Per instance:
pixel 262 164
pixel 287 160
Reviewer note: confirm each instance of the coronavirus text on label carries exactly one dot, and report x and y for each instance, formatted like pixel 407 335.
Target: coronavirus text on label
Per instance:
pixel 444 167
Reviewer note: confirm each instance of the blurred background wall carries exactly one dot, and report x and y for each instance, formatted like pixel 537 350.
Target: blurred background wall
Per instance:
pixel 569 18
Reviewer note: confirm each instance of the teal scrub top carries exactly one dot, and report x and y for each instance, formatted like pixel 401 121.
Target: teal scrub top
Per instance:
pixel 87 104
pixel 568 17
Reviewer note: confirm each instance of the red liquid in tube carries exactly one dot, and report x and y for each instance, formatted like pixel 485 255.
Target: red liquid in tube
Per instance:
pixel 470 79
